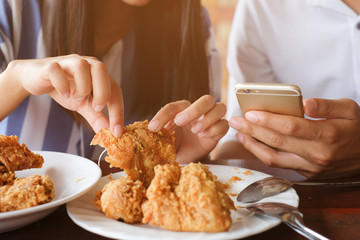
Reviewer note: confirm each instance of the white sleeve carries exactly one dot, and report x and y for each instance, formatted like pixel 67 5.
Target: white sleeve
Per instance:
pixel 246 60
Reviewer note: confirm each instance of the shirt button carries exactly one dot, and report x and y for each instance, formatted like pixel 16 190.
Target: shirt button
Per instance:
pixel 358 25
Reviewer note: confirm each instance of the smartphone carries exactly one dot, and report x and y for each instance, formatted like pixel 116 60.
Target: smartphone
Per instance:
pixel 283 99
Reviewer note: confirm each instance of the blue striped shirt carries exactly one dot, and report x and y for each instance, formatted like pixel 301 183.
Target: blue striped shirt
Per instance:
pixel 39 121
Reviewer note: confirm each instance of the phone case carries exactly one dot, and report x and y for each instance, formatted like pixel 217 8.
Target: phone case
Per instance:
pixel 283 99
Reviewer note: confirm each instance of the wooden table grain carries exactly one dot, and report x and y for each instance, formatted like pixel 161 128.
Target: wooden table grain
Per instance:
pixel 332 211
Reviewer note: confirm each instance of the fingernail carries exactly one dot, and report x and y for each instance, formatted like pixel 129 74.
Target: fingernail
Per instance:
pixel 311 106
pixel 240 137
pixel 203 134
pixel 181 119
pixel 117 131
pixel 197 128
pixel 235 123
pixel 99 108
pixel 251 116
pixel 154 126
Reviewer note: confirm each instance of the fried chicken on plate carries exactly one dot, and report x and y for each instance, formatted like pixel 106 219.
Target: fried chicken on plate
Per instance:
pixel 138 150
pixel 191 199
pixel 15 156
pixel 122 199
pixel 20 193
pixel 26 192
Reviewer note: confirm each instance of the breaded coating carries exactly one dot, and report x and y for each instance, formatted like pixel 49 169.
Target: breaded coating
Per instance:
pixel 191 199
pixel 26 192
pixel 15 156
pixel 6 178
pixel 138 150
pixel 122 199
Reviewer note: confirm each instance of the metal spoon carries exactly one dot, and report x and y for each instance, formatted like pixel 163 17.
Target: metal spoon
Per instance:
pixel 266 187
pixel 289 215
pixel 271 186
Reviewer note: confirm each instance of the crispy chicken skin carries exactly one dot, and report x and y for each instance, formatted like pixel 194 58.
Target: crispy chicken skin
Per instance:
pixel 6 178
pixel 26 192
pixel 122 199
pixel 138 150
pixel 15 156
pixel 190 199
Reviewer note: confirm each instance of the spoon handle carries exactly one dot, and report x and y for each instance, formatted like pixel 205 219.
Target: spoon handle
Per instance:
pixel 295 222
pixel 348 184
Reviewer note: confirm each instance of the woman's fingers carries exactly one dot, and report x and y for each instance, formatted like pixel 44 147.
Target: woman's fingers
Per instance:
pixel 201 106
pixel 202 114
pixel 209 119
pixel 167 114
pixel 58 79
pixel 82 78
pixel 100 84
pixel 116 109
pixel 92 85
pixel 216 130
pixel 97 120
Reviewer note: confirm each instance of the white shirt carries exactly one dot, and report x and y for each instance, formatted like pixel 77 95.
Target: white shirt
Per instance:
pixel 314 44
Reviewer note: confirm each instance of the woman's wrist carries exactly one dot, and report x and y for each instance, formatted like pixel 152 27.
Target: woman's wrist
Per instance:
pixel 12 78
pixel 12 92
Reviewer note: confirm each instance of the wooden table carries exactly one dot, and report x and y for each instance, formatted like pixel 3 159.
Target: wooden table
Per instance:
pixel 332 211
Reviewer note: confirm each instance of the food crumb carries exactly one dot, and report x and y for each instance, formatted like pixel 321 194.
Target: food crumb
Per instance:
pixel 233 179
pixel 110 177
pixel 247 172
pixel 239 218
pixel 238 206
pixel 80 179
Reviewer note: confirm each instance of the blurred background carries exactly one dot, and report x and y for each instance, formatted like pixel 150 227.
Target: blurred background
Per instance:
pixel 221 14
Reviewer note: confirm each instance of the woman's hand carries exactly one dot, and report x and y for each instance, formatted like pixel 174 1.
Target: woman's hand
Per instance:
pixel 324 148
pixel 198 126
pixel 78 83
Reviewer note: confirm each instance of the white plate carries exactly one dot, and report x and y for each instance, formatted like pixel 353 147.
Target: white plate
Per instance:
pixel 84 213
pixel 72 176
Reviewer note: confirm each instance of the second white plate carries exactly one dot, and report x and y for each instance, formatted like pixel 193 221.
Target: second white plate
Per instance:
pixel 72 176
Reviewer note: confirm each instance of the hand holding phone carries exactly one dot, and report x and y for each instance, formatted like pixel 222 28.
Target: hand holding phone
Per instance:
pixel 283 99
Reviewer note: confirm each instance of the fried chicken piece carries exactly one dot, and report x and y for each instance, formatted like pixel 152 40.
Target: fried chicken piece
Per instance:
pixel 15 156
pixel 26 192
pixel 122 199
pixel 191 199
pixel 6 178
pixel 138 150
